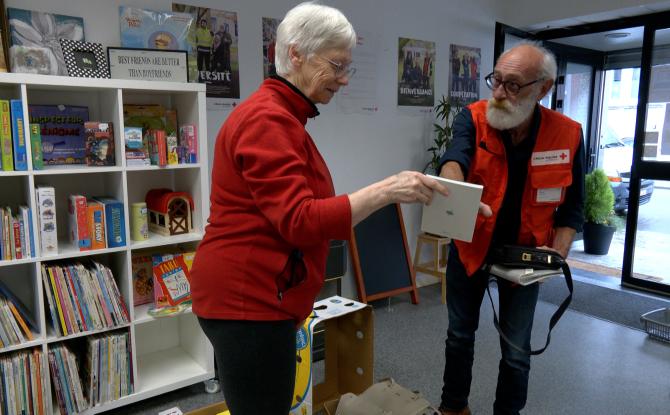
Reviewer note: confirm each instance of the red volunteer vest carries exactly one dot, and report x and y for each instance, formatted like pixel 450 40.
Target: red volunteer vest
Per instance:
pixel 549 174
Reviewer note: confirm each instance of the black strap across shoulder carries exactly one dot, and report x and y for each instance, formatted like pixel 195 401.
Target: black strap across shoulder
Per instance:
pixel 519 256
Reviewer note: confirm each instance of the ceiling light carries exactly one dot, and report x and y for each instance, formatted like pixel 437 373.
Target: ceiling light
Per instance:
pixel 617 35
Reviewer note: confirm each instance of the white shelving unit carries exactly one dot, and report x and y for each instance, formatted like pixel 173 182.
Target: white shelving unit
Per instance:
pixel 167 353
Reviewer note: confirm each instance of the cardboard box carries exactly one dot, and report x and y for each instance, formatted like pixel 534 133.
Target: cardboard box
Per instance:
pixel 348 361
pixel 349 350
pixel 213 409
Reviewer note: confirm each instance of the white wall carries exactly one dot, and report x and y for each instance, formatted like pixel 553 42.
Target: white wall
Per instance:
pixel 359 149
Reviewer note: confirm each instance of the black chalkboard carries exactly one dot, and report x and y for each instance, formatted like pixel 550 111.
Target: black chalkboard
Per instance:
pixel 381 258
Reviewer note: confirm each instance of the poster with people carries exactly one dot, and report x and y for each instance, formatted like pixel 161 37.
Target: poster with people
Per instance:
pixel 212 50
pixel 464 73
pixel 269 37
pixel 416 75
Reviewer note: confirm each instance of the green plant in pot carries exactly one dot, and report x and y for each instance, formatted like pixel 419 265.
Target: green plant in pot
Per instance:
pixel 445 111
pixel 598 213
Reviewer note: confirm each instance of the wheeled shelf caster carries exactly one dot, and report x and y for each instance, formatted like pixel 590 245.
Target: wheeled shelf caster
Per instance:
pixel 212 386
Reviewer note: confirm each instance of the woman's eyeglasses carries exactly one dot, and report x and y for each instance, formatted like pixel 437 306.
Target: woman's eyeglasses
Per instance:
pixel 341 70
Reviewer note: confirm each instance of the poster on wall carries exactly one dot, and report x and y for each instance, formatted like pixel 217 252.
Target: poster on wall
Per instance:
pixel 150 29
pixel 269 37
pixel 360 95
pixel 416 76
pixel 212 50
pixel 464 74
pixel 34 40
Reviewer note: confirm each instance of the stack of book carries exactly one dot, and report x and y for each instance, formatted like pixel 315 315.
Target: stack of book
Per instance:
pixel 83 298
pixel 16 323
pixel 95 223
pixel 16 231
pixel 23 383
pixel 66 381
pixel 109 369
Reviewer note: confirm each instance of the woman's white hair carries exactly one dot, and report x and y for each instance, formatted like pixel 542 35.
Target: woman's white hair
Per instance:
pixel 548 68
pixel 311 28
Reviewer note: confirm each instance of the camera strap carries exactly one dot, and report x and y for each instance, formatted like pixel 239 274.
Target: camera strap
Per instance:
pixel 530 258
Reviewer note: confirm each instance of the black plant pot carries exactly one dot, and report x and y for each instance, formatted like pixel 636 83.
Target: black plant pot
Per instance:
pixel 597 238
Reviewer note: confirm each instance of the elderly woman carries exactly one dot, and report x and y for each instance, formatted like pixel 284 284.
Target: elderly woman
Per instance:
pixel 273 211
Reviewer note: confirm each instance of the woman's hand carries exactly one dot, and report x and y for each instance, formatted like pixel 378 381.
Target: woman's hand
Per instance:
pixel 412 187
pixel 404 187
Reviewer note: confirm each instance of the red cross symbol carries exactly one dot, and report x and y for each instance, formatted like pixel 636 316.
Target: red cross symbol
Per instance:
pixel 563 156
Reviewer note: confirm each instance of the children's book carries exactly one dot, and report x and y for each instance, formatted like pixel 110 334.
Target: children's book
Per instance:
pixel 174 278
pixel 99 143
pixel 62 132
pixel 36 147
pixel 143 282
pixel 18 135
pixel 115 222
pixel 6 136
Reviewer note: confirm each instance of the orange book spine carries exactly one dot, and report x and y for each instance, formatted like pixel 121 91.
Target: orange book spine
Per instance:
pixel 19 319
pixel 96 225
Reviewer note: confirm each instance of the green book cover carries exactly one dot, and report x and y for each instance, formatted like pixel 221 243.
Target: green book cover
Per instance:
pixel 36 147
pixel 6 136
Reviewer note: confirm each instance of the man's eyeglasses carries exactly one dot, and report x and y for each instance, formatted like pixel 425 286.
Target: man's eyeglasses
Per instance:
pixel 511 87
pixel 341 70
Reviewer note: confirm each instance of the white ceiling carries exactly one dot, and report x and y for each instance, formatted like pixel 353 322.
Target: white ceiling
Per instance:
pixel 601 42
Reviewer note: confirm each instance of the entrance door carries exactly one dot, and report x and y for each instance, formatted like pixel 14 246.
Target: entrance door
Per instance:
pixel 648 235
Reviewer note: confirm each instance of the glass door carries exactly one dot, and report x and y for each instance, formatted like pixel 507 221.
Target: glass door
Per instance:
pixel 648 235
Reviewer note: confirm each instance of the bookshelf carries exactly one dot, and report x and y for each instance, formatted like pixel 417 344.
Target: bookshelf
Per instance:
pixel 166 353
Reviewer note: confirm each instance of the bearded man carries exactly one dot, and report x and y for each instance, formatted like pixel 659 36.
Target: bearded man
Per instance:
pixel 530 161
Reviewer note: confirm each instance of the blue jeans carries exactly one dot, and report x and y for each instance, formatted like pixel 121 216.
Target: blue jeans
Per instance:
pixel 516 312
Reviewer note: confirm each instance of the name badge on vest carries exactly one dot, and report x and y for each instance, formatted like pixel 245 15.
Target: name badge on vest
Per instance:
pixel 548 195
pixel 543 158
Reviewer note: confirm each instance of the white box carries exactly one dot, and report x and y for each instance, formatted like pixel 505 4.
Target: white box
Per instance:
pixel 46 220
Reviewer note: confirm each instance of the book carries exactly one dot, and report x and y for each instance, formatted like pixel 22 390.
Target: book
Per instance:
pixel 96 224
pixel 18 135
pixel 62 132
pixel 36 147
pixel 171 149
pixel 453 216
pixel 115 222
pixel 99 143
pixel 78 222
pixel 142 279
pixel 46 215
pixel 174 279
pixel 6 136
pixel 161 144
pixel 189 140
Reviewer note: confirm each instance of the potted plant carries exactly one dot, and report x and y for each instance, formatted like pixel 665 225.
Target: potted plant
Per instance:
pixel 598 213
pixel 445 111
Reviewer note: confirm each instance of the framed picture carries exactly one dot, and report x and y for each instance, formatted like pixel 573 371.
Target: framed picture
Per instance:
pixel 34 40
pixel 148 64
pixel 84 59
pixel 4 38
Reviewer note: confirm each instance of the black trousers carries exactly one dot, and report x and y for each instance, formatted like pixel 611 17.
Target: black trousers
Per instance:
pixel 256 364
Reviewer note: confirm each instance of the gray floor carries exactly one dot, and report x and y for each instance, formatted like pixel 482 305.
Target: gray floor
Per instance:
pixel 593 366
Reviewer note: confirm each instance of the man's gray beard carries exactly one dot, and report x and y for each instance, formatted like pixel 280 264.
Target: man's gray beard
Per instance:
pixel 510 117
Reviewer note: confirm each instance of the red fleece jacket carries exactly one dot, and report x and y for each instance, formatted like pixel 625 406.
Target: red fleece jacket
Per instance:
pixel 271 194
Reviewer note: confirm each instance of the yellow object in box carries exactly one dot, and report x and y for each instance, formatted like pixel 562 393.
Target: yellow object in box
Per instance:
pixel 348 357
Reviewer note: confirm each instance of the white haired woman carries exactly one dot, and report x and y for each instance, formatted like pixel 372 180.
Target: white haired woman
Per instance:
pixel 261 263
